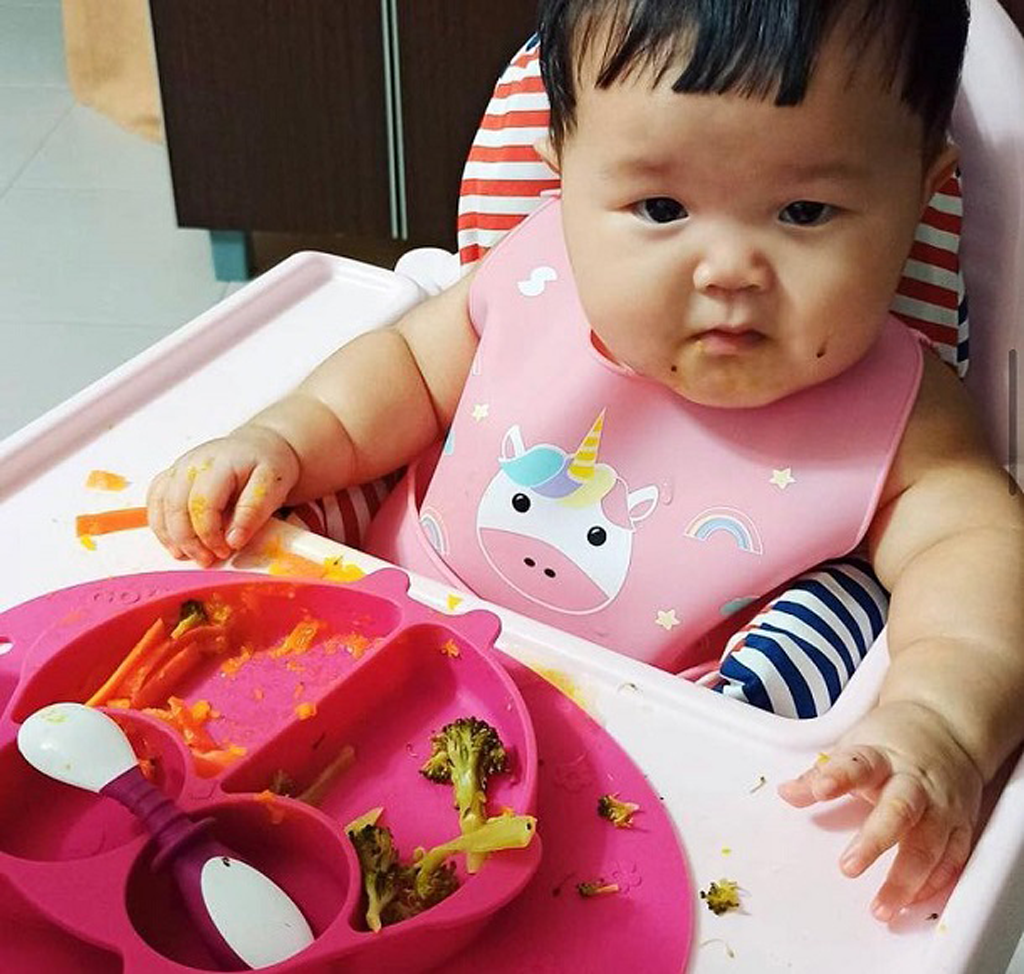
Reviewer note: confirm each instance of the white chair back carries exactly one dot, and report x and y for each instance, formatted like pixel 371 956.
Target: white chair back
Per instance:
pixel 988 124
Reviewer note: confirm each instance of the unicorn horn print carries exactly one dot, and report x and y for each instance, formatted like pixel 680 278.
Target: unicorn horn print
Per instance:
pixel 581 469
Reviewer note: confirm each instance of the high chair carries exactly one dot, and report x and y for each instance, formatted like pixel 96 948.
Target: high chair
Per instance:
pixel 710 765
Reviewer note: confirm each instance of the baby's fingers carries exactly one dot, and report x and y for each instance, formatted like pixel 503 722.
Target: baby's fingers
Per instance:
pixel 923 853
pixel 900 805
pixel 185 509
pixel 155 513
pixel 263 494
pixel 847 770
pixel 212 490
pixel 952 863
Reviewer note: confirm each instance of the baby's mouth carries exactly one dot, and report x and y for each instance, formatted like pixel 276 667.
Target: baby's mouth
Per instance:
pixel 728 340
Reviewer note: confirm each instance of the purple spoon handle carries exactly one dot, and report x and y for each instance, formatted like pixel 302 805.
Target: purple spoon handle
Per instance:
pixel 184 845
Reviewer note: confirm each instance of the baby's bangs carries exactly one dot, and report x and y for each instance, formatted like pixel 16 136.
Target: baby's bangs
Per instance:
pixel 759 48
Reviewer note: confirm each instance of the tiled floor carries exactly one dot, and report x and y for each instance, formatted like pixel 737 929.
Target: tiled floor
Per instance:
pixel 93 267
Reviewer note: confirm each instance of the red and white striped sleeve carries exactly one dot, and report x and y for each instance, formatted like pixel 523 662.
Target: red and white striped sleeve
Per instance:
pixel 504 179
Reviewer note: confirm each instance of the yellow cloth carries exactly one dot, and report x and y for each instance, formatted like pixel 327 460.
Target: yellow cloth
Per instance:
pixel 110 61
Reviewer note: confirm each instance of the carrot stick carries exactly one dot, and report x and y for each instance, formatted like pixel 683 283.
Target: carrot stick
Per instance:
pixel 103 522
pixel 152 638
pixel 190 648
pixel 158 688
pixel 172 647
pixel 135 680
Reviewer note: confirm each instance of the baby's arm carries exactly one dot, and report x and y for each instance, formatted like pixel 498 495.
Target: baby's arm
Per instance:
pixel 369 408
pixel 948 541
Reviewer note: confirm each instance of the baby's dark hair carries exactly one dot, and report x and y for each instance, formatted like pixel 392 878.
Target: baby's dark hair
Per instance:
pixel 757 48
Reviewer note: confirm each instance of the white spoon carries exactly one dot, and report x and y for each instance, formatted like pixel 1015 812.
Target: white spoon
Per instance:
pixel 245 918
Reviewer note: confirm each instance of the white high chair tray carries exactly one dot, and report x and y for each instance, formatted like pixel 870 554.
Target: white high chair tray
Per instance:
pixel 716 762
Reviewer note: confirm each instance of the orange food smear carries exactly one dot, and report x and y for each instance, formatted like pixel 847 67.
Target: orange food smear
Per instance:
pixel 335 570
pixel 305 710
pixel 218 612
pixel 450 648
pixel 299 639
pixel 282 562
pixel 188 720
pixel 290 564
pixel 269 801
pixel 202 711
pixel 356 644
pixel 210 763
pixel 105 480
pixel 231 666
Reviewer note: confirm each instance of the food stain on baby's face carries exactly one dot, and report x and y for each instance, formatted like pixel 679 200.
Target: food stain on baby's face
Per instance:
pixel 735 250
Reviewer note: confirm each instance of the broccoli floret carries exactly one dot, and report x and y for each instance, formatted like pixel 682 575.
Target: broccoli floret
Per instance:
pixel 466 753
pixel 418 891
pixel 394 891
pixel 721 897
pixel 191 613
pixel 619 813
pixel 496 834
pixel 378 861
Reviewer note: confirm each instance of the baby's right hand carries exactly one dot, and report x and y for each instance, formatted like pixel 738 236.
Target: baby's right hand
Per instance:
pixel 214 498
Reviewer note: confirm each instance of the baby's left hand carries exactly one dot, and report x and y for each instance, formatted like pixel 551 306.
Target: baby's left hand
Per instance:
pixel 926 791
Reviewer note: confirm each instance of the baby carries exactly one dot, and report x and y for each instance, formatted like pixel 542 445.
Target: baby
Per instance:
pixel 678 385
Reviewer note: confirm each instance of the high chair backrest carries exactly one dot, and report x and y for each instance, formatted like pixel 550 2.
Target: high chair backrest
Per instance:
pixel 988 125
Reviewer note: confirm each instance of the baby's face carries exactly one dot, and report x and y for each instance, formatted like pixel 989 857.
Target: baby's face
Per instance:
pixel 737 251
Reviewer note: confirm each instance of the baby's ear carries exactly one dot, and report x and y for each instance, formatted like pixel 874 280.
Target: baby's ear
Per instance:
pixel 546 150
pixel 941 167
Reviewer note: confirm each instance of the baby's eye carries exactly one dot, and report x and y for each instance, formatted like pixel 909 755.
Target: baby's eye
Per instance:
pixel 806 213
pixel 661 209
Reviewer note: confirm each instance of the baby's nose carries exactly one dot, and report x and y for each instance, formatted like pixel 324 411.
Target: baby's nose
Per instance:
pixel 731 265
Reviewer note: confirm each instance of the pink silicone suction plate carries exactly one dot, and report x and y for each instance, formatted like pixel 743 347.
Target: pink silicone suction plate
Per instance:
pixel 649 924
pixel 546 928
pixel 383 674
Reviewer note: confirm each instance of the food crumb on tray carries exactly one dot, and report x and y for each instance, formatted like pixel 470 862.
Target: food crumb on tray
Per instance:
pixel 105 480
pixel 722 897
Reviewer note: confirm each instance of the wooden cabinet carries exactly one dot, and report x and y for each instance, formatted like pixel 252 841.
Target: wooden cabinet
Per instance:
pixel 328 116
pixel 451 54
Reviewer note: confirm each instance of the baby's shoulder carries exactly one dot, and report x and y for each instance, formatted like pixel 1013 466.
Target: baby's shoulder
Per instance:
pixel 942 437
